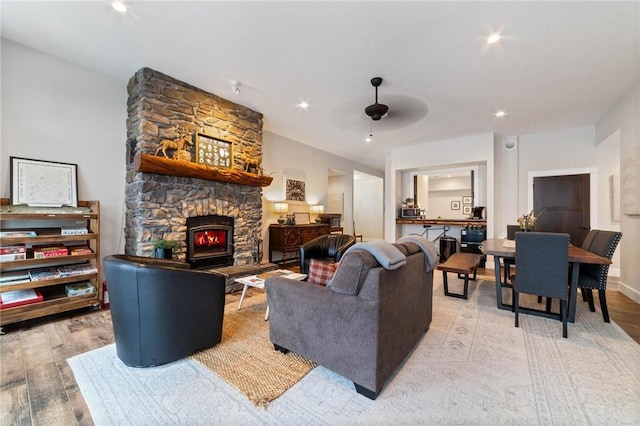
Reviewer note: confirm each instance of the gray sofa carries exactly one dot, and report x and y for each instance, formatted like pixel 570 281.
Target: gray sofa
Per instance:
pixel 362 326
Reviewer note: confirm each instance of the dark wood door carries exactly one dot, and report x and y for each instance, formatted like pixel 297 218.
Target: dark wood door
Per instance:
pixel 561 204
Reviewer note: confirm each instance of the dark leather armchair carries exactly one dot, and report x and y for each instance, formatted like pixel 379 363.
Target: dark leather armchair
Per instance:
pixel 542 269
pixel 594 277
pixel 326 247
pixel 161 310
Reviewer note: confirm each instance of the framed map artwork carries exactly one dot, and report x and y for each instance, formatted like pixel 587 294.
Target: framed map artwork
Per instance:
pixel 213 152
pixel 43 183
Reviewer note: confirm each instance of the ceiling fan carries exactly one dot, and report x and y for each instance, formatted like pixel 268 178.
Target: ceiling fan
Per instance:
pixel 376 111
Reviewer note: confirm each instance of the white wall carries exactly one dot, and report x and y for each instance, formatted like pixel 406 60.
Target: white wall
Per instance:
pixel 282 155
pixel 625 118
pixel 57 111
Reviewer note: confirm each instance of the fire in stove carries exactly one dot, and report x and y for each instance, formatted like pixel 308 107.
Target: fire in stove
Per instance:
pixel 210 239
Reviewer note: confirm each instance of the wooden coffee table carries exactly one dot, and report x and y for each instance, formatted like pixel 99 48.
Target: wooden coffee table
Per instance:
pixel 257 281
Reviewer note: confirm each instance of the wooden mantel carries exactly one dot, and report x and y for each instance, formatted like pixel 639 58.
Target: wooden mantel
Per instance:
pixel 148 163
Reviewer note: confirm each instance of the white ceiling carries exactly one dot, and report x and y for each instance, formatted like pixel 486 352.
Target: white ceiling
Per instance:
pixel 558 64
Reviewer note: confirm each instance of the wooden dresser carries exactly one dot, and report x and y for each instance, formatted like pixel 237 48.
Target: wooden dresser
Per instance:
pixel 285 240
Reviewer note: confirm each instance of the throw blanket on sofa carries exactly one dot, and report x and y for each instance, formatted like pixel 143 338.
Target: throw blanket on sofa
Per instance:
pixel 427 247
pixel 388 256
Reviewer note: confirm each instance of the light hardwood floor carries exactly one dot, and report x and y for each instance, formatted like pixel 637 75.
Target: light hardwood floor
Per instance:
pixel 37 386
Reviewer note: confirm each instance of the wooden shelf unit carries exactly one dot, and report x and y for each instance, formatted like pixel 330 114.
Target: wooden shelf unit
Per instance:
pixel 47 223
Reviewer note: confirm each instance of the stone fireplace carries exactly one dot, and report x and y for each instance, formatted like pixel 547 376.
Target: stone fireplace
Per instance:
pixel 164 206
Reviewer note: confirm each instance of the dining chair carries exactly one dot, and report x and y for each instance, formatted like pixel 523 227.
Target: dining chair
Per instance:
pixel 594 277
pixel 542 269
pixel 508 262
pixel 355 234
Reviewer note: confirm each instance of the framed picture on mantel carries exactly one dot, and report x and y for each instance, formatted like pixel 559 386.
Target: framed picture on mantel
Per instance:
pixel 212 151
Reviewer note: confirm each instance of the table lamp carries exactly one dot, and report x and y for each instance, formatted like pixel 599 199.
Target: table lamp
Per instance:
pixel 317 210
pixel 281 208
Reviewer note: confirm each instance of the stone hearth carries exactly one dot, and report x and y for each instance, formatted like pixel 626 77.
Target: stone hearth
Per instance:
pixel 158 206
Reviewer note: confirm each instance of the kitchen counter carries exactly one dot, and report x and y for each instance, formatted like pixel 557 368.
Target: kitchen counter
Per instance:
pixel 450 222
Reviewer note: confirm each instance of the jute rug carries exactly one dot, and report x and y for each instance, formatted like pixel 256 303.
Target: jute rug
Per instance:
pixel 246 357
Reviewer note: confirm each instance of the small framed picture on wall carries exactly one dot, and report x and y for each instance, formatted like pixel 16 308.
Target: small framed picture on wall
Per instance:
pixel 466 199
pixel 455 205
pixel 466 210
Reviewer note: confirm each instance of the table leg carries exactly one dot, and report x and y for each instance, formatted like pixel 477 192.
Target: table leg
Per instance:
pixel 573 291
pixel 496 262
pixel 244 292
pixel 266 315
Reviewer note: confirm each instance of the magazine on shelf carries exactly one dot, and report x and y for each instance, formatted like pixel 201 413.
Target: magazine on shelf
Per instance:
pixel 43 274
pixel 12 256
pixel 77 269
pixel 14 298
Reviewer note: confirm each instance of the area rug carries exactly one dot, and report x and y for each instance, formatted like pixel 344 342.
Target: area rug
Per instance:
pixel 246 358
pixel 472 367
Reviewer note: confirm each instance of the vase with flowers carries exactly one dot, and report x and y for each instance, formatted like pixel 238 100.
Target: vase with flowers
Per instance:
pixel 527 221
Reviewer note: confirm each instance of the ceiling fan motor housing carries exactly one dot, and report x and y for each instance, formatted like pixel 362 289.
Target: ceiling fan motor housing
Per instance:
pixel 376 111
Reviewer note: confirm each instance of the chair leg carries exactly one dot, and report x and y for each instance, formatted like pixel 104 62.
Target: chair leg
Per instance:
pixel 592 307
pixel 563 314
pixel 548 302
pixel 584 294
pixel 506 273
pixel 603 305
pixel 516 307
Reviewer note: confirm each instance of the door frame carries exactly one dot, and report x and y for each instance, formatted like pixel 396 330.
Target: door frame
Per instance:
pixel 593 187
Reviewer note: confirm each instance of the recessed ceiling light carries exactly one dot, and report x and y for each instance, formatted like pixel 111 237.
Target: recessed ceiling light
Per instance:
pixel 369 139
pixel 303 105
pixel 493 38
pixel 500 114
pixel 119 6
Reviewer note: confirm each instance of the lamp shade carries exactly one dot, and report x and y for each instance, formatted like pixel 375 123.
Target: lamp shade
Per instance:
pixel 280 207
pixel 317 209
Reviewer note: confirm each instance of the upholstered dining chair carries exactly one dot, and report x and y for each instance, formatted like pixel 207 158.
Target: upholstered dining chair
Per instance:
pixel 594 277
pixel 542 269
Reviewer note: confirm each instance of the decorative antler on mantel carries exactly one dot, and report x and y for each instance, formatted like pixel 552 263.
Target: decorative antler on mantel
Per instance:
pixel 148 163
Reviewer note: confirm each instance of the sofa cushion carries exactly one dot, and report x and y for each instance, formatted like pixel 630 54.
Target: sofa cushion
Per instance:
pixel 321 271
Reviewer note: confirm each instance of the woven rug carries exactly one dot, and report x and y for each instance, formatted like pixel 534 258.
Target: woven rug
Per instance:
pixel 246 357
pixel 472 367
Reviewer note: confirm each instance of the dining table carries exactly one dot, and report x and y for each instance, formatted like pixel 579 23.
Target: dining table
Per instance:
pixel 501 248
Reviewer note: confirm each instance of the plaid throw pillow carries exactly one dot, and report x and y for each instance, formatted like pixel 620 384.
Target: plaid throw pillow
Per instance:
pixel 321 272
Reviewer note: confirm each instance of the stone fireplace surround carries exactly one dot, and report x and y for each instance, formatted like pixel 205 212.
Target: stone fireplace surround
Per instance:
pixel 157 206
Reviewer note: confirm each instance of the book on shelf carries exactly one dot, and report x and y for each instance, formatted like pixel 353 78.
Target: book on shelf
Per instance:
pixel 43 274
pixel 80 250
pixel 73 230
pixel 18 234
pixel 9 253
pixel 42 252
pixel 14 277
pixel 14 298
pixel 77 289
pixel 77 269
pixel 15 249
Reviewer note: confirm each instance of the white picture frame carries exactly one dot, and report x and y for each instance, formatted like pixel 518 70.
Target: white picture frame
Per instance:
pixel 39 183
pixel 301 218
